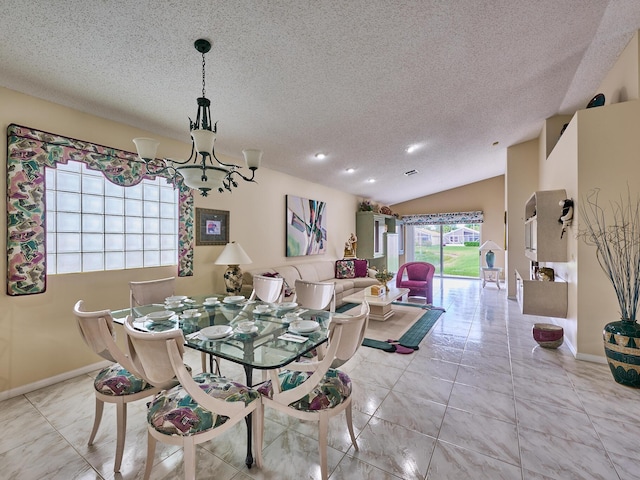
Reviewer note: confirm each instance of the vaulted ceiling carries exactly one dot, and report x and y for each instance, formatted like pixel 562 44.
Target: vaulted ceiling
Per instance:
pixel 358 80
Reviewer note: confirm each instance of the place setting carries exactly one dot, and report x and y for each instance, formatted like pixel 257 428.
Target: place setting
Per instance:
pixel 157 321
pixel 214 332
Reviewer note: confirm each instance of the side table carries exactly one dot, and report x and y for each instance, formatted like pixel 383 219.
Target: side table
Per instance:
pixel 491 274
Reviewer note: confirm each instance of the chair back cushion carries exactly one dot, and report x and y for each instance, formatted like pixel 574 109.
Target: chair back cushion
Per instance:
pixel 418 271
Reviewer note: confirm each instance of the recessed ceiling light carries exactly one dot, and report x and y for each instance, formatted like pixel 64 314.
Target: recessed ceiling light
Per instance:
pixel 412 148
pixel 372 180
pixel 350 170
pixel 320 156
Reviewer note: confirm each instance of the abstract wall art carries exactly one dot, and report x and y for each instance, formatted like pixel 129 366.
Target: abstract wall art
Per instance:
pixel 306 226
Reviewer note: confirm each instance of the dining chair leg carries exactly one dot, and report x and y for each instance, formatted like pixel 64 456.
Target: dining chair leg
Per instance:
pixel 151 453
pixel 349 416
pixel 189 458
pixel 203 359
pixel 258 433
pixel 96 420
pixel 323 438
pixel 121 432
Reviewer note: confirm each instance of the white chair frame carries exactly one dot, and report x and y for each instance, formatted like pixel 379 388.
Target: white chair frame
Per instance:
pixel 345 337
pixel 96 329
pixel 158 356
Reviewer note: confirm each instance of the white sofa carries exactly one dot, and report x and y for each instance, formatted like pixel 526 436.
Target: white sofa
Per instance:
pixel 319 271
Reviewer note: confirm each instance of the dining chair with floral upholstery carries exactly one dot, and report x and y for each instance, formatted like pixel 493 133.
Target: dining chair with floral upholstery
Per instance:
pixel 150 291
pixel 118 383
pixel 316 295
pixel 267 289
pixel 197 410
pixel 316 390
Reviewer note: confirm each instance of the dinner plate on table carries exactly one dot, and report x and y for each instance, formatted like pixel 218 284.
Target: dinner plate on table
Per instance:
pixel 284 306
pixel 234 299
pixel 176 298
pixel 216 332
pixel 304 326
pixel 210 304
pixel 162 316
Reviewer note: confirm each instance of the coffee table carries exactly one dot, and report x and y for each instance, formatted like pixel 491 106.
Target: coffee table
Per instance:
pixel 379 305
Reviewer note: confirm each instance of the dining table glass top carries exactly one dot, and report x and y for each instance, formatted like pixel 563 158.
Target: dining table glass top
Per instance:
pixel 271 342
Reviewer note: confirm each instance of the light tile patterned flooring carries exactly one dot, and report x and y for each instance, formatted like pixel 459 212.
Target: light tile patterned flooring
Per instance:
pixel 479 400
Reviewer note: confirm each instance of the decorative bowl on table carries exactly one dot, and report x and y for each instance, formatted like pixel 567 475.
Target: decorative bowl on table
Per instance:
pixel 548 335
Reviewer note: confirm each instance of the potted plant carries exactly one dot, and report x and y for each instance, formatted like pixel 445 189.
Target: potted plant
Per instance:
pixel 616 236
pixel 383 277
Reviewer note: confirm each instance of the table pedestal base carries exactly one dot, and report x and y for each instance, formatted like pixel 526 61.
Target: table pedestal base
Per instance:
pixel 380 312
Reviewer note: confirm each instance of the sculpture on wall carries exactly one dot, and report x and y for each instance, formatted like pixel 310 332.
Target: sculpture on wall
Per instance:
pixel 567 214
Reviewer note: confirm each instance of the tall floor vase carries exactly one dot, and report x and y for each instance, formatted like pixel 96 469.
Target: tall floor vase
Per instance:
pixel 622 348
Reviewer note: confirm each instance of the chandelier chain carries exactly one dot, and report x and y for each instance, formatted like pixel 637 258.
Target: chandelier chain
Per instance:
pixel 203 65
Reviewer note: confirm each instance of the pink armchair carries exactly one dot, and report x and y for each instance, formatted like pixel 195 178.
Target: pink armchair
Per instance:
pixel 419 279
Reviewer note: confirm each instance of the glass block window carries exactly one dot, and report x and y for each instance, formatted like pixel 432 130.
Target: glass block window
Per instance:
pixel 93 224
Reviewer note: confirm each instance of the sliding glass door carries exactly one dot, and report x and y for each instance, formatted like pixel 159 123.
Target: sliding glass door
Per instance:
pixel 453 249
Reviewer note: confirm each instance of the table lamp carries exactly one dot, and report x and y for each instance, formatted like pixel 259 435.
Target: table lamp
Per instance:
pixel 490 257
pixel 233 255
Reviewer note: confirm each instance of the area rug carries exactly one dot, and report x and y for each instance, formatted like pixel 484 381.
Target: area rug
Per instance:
pixel 406 328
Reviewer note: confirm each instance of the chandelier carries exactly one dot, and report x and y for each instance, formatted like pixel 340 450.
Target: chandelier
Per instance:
pixel 199 171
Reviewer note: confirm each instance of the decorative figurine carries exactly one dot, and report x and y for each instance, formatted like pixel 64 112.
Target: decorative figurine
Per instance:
pixel 567 214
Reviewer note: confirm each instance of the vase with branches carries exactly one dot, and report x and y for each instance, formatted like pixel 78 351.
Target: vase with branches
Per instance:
pixel 615 233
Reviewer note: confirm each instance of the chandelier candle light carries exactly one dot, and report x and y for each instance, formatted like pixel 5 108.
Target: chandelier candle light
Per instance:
pixel 233 255
pixel 490 257
pixel 200 173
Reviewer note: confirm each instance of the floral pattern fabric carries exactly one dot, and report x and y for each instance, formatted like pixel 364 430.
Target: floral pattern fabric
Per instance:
pixel 444 218
pixel 174 412
pixel 116 380
pixel 334 388
pixel 345 269
pixel 29 152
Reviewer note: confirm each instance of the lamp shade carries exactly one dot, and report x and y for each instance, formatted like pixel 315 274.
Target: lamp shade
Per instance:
pixel 146 147
pixel 253 158
pixel 203 141
pixel 192 175
pixel 233 254
pixel 490 245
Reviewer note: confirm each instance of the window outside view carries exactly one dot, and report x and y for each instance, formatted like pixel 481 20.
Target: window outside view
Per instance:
pixel 457 245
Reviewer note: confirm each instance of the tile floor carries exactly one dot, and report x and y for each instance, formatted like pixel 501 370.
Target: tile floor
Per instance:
pixel 479 400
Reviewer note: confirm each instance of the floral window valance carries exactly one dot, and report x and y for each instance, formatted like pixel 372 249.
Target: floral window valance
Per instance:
pixel 444 218
pixel 29 151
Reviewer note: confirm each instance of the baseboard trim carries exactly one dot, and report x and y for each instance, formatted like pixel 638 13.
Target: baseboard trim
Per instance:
pixel 591 358
pixel 46 382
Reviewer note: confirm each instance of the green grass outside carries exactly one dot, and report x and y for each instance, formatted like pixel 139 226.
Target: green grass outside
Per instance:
pixel 458 260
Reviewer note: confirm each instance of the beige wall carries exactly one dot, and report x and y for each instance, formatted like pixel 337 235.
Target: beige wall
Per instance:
pixel 487 195
pixel 38 335
pixel 521 181
pixel 599 149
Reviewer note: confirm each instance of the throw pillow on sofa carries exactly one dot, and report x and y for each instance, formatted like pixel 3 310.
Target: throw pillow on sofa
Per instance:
pixel 361 268
pixel 345 269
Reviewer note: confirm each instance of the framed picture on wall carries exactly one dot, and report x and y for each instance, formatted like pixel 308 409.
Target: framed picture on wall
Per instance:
pixel 212 227
pixel 306 226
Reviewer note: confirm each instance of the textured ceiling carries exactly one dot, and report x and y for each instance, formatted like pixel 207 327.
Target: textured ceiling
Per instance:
pixel 360 80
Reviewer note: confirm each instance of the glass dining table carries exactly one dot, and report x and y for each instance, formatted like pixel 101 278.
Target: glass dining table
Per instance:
pixel 269 344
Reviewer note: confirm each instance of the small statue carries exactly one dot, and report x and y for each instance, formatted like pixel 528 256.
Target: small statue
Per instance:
pixel 350 247
pixel 567 214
